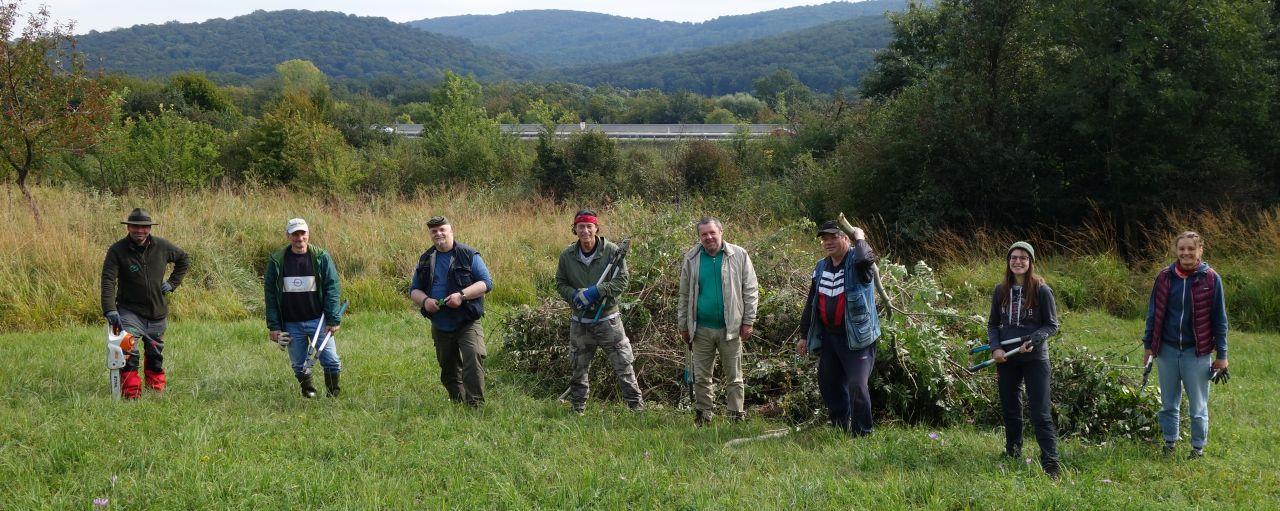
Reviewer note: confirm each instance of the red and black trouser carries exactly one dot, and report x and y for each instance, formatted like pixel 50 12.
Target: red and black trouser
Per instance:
pixel 151 340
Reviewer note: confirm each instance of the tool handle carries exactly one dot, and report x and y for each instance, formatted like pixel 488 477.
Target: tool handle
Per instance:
pixel 990 361
pixel 1006 342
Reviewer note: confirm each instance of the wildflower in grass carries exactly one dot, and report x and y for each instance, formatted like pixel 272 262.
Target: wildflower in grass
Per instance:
pixel 100 502
pixel 933 435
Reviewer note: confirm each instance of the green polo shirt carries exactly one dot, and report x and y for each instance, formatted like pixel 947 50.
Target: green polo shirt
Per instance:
pixel 710 290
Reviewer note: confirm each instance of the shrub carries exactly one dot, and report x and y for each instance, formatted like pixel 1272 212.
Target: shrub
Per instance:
pixel 586 163
pixel 707 168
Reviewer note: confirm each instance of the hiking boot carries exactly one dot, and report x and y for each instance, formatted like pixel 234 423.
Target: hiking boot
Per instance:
pixel 1052 469
pixel 331 384
pixel 304 382
pixel 701 418
pixel 580 408
pixel 1013 451
pixel 636 407
pixel 155 379
pixel 1167 450
pixel 1196 453
pixel 737 417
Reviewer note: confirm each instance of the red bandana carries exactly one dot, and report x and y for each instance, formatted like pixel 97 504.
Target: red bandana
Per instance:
pixel 585 219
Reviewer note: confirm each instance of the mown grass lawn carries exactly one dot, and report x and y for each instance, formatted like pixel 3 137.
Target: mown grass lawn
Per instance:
pixel 232 433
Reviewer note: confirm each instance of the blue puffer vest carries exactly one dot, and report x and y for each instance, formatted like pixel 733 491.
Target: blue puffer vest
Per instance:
pixel 861 324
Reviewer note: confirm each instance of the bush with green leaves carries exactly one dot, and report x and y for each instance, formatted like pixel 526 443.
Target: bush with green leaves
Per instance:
pixel 585 164
pixel 707 168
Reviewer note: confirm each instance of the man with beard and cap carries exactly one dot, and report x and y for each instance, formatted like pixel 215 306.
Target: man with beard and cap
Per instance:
pixel 448 288
pixel 134 290
pixel 595 321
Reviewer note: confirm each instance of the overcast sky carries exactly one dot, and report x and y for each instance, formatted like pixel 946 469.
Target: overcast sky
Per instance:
pixel 108 14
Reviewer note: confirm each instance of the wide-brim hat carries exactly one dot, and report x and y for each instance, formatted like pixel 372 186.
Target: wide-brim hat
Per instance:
pixel 139 216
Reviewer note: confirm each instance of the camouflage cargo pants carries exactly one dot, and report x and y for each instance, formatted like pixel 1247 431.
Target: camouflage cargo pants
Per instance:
pixel 609 336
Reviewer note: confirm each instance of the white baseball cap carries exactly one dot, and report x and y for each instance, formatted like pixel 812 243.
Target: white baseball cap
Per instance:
pixel 295 225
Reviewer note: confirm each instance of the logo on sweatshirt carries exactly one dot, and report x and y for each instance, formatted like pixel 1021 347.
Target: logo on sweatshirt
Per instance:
pixel 133 268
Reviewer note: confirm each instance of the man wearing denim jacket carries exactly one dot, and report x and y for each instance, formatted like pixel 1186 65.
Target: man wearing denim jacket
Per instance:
pixel 841 327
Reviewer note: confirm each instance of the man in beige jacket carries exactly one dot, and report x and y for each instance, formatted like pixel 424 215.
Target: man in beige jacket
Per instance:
pixel 718 298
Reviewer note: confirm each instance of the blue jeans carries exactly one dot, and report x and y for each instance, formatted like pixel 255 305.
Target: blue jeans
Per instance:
pixel 300 338
pixel 1182 369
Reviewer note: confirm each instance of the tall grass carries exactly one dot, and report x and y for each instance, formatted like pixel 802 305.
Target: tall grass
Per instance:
pixel 50 270
pixel 1087 269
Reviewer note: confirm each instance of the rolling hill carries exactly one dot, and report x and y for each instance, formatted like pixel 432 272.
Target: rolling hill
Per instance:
pixel 341 45
pixel 825 58
pixel 564 38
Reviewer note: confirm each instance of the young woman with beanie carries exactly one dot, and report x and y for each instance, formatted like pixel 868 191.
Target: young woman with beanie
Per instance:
pixel 1022 306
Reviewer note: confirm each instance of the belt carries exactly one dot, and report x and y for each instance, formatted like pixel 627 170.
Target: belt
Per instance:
pixel 593 319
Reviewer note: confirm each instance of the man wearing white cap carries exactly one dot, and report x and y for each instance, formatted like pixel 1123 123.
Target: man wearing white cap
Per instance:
pixel 301 285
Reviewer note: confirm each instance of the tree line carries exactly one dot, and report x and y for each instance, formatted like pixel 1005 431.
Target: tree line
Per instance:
pixel 1010 114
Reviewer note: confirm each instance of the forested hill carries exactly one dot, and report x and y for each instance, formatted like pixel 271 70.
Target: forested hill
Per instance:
pixel 563 38
pixel 825 58
pixel 341 45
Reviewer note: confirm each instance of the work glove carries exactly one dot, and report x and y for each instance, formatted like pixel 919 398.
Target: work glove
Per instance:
pixel 113 319
pixel 166 287
pixel 283 340
pixel 1220 376
pixel 580 299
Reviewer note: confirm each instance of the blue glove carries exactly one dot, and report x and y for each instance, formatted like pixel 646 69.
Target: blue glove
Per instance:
pixel 113 319
pixel 580 299
pixel 166 287
pixel 592 294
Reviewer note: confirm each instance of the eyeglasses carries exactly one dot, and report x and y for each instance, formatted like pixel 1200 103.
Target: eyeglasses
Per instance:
pixel 1019 258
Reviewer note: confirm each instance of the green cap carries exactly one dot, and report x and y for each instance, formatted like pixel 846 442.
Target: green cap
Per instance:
pixel 1025 246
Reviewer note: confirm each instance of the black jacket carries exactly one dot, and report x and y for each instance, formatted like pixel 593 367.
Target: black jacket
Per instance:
pixel 132 276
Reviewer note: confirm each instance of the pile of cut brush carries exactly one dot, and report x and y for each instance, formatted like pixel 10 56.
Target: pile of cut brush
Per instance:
pixel 920 376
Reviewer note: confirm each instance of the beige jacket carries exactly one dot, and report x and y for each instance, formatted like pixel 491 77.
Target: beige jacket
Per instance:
pixel 738 279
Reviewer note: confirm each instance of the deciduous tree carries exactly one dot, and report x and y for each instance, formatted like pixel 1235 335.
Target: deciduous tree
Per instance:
pixel 48 101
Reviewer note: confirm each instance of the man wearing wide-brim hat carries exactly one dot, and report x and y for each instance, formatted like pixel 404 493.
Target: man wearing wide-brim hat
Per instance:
pixel 133 296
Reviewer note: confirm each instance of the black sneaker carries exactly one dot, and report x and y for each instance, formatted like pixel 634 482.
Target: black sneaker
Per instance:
pixel 1196 454
pixel 701 418
pixel 580 408
pixel 1167 450
pixel 1013 452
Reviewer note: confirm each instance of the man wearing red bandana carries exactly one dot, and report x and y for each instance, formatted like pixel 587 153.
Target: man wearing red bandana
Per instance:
pixel 595 321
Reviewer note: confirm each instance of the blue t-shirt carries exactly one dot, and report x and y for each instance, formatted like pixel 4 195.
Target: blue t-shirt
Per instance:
pixel 447 319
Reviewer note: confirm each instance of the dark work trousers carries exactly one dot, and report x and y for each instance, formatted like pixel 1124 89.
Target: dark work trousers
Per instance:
pixel 1035 372
pixel 843 376
pixel 461 356
pixel 152 344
